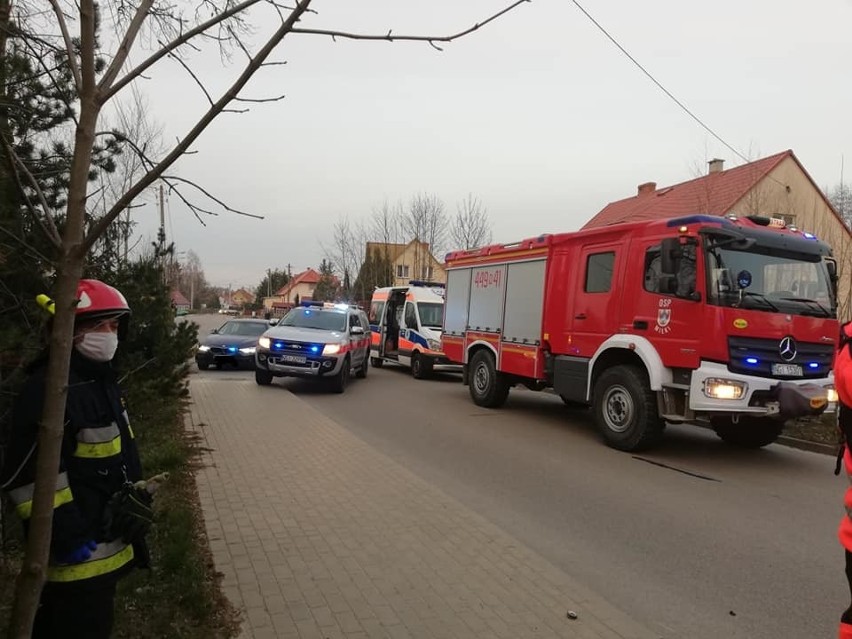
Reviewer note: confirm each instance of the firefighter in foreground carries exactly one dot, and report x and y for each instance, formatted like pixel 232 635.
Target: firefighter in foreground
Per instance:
pixel 843 383
pixel 101 514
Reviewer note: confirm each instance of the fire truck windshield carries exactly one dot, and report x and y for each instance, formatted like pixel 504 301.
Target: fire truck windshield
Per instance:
pixel 769 280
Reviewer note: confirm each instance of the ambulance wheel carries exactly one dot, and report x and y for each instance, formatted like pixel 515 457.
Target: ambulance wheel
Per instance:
pixel 421 367
pixel 488 388
pixel 377 362
pixel 748 432
pixel 341 380
pixel 626 409
pixel 263 378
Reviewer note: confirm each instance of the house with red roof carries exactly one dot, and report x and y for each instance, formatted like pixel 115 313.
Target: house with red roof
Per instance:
pixel 179 302
pixel 299 289
pixel 775 186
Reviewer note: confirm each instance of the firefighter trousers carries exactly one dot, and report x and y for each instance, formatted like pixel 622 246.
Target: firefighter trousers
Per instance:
pixel 75 614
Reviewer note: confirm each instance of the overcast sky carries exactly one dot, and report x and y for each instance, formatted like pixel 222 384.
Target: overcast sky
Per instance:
pixel 538 115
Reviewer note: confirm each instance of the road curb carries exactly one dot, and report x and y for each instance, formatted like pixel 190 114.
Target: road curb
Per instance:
pixel 804 444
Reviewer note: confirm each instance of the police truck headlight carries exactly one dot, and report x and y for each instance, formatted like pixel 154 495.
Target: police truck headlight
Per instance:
pixel 263 342
pixel 249 350
pixel 833 398
pixel 331 349
pixel 719 388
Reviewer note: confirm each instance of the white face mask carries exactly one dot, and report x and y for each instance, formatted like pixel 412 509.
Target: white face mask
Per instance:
pixel 99 347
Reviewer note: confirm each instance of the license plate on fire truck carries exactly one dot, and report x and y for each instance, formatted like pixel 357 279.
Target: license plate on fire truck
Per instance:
pixel 788 370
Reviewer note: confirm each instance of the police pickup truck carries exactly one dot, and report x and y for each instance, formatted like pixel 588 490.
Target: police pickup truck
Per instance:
pixel 316 341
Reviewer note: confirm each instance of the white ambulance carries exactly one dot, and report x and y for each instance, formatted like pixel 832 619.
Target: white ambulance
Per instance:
pixel 406 323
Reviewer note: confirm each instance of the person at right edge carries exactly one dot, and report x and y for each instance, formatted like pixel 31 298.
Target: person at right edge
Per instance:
pixel 843 384
pixel 100 514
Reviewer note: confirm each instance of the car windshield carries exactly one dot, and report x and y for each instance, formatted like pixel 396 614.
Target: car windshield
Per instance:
pixel 431 314
pixel 246 329
pixel 322 319
pixel 758 280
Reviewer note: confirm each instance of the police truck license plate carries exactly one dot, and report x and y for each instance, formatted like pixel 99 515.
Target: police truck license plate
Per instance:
pixel 293 359
pixel 791 370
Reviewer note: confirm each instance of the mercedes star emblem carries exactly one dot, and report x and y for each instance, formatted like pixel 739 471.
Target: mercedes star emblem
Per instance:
pixel 787 349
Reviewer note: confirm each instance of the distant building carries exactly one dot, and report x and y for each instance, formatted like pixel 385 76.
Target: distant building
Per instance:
pixel 412 261
pixel 179 302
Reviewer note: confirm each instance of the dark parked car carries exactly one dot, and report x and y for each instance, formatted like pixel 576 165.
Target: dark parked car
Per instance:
pixel 232 344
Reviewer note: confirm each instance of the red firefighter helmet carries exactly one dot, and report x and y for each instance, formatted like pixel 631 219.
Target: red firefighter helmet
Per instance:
pixel 843 366
pixel 97 300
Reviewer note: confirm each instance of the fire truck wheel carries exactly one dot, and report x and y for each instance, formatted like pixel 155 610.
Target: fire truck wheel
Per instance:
pixel 377 362
pixel 626 409
pixel 263 378
pixel 488 388
pixel 421 367
pixel 748 432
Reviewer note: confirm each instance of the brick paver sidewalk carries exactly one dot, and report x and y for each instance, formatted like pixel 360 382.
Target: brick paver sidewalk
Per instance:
pixel 320 535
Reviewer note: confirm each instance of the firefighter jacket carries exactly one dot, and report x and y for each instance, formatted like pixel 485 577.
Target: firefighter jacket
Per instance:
pixel 98 455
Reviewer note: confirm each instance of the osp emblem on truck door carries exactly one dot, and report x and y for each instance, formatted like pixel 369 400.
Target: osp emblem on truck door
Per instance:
pixel 664 316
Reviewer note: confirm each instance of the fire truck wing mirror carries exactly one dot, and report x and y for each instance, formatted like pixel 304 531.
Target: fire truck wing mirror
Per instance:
pixel 668 284
pixel 670 254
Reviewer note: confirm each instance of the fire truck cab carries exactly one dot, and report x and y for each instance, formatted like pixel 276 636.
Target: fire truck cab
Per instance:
pixel 728 322
pixel 406 324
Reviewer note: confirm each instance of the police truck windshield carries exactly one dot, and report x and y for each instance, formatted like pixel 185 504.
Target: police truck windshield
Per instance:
pixel 321 319
pixel 757 280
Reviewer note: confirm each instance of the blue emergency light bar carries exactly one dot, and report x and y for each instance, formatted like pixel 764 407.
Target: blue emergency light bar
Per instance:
pixel 426 283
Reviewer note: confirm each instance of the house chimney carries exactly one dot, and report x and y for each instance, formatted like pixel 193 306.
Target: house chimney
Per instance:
pixel 715 166
pixel 647 187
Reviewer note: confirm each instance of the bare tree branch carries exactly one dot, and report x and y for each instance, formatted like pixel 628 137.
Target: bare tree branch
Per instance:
pixel 69 45
pixel 389 37
pixel 212 197
pixel 276 99
pixel 184 38
pixel 192 75
pixel 126 44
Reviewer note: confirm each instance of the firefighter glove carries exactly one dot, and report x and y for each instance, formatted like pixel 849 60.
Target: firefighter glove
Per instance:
pixel 129 514
pixel 79 554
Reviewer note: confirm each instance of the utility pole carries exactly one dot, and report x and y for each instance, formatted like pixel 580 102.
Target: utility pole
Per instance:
pixel 289 282
pixel 161 235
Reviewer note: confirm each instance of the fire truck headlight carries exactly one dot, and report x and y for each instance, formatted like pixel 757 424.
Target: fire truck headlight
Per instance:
pixel 719 388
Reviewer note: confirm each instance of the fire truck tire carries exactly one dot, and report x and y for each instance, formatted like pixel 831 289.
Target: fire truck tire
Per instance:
pixel 263 378
pixel 377 362
pixel 488 388
pixel 748 432
pixel 421 367
pixel 341 380
pixel 625 409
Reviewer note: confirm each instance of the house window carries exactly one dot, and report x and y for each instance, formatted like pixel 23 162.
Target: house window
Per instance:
pixel 599 272
pixel 426 273
pixel 402 270
pixel 789 220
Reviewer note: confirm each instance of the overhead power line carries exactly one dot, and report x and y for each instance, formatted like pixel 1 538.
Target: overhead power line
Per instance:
pixel 659 85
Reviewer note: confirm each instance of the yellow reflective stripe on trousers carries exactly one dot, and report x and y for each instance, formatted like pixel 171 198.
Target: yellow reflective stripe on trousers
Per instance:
pixel 107 558
pixel 98 451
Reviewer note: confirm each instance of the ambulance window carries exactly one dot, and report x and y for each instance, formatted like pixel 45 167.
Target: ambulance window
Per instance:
pixel 599 272
pixel 376 309
pixel 410 315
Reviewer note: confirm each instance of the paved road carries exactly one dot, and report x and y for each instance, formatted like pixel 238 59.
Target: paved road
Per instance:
pixel 693 540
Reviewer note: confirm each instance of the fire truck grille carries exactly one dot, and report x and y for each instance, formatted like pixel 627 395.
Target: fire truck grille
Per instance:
pixel 779 359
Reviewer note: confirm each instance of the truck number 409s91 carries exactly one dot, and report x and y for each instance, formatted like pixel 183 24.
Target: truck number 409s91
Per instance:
pixel 486 279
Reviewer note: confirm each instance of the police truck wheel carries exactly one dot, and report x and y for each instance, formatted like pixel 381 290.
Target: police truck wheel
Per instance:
pixel 377 362
pixel 362 372
pixel 421 367
pixel 626 409
pixel 263 378
pixel 341 380
pixel 488 388
pixel 748 432
pixel 202 367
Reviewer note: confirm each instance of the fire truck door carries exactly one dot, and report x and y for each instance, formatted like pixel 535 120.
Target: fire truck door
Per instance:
pixel 593 308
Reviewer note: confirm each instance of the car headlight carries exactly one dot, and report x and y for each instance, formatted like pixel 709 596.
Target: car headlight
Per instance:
pixel 719 388
pixel 249 350
pixel 331 349
pixel 203 348
pixel 434 344
pixel 263 342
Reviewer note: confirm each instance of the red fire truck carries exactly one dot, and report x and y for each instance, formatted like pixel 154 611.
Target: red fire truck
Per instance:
pixel 728 322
